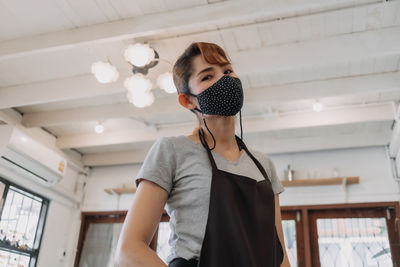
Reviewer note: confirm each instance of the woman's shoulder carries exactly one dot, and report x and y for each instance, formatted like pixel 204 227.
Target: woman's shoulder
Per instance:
pixel 179 143
pixel 270 168
pixel 264 158
pixel 175 139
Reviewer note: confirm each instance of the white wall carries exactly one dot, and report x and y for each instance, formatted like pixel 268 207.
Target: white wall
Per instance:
pixel 370 164
pixel 95 199
pixel 63 218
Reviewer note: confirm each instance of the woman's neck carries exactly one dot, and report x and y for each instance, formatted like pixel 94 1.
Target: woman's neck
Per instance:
pixel 223 130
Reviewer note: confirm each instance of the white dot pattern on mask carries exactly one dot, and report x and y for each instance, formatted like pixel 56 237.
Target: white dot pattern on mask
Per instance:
pixel 225 97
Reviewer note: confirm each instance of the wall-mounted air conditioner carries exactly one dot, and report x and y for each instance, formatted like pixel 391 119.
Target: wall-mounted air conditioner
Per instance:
pixel 30 158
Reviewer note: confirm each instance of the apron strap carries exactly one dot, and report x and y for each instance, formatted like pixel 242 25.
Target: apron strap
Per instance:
pixel 259 166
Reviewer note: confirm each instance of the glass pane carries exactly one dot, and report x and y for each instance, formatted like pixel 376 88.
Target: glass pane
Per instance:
pixel 19 219
pixel 289 234
pixel 353 242
pixel 163 248
pixel 8 259
pixel 100 244
pixel 2 188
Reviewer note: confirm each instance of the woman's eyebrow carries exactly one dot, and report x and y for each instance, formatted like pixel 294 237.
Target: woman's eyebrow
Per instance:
pixel 204 70
pixel 210 68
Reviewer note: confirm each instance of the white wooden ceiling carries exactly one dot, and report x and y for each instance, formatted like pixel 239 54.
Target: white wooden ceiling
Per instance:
pixel 287 53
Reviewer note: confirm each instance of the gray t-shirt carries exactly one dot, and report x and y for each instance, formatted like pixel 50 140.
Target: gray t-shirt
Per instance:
pixel 182 167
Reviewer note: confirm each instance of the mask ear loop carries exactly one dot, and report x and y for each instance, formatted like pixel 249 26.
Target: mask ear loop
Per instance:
pixel 241 128
pixel 205 124
pixel 204 120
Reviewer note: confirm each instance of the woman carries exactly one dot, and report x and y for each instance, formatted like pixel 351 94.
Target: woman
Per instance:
pixel 222 199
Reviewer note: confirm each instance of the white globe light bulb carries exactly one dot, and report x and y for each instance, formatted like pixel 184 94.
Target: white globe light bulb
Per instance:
pixel 318 106
pixel 139 54
pixel 99 128
pixel 166 82
pixel 138 83
pixel 140 99
pixel 105 72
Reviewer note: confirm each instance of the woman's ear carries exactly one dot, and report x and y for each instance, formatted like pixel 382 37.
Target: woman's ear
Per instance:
pixel 186 101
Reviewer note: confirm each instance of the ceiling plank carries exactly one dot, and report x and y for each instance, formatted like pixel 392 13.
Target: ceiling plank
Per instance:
pixel 267 146
pixel 366 113
pixel 322 142
pixel 267 95
pixel 78 87
pixel 201 18
pixel 319 53
pixel 114 158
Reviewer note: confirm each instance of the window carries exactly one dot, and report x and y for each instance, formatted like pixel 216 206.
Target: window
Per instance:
pixel 289 235
pixel 163 247
pixel 353 241
pixel 22 218
pixel 354 234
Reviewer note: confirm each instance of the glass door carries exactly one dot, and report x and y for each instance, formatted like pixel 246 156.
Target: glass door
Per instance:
pixel 98 238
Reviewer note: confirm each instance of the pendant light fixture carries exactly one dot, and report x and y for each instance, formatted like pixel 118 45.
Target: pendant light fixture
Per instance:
pixel 142 58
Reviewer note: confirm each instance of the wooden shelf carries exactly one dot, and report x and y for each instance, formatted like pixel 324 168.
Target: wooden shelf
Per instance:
pixel 321 181
pixel 121 190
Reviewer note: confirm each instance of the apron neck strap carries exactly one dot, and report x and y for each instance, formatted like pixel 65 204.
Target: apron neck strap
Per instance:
pixel 259 166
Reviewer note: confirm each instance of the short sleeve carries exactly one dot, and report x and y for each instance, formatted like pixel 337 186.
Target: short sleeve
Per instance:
pixel 277 186
pixel 159 164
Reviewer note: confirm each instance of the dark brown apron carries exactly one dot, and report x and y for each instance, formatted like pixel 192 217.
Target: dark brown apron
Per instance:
pixel 240 229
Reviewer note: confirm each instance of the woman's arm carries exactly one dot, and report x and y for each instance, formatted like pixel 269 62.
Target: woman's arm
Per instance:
pixel 278 225
pixel 139 227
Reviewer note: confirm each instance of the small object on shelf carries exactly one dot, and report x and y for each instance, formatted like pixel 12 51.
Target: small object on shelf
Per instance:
pixel 120 190
pixel 289 173
pixel 322 181
pixel 335 172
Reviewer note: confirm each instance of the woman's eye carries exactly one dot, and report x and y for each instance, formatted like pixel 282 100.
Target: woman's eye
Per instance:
pixel 205 77
pixel 230 71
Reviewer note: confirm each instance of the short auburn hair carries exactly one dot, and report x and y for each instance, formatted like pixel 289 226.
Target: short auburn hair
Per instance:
pixel 183 69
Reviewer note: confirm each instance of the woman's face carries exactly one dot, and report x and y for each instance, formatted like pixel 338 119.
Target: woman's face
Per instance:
pixel 206 74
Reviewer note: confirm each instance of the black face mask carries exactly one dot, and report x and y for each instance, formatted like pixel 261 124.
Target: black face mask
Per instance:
pixel 224 98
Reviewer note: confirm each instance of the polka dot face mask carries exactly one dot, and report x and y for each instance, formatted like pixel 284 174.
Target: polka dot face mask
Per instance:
pixel 224 97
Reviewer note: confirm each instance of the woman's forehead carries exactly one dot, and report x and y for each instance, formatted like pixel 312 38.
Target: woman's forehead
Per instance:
pixel 199 64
